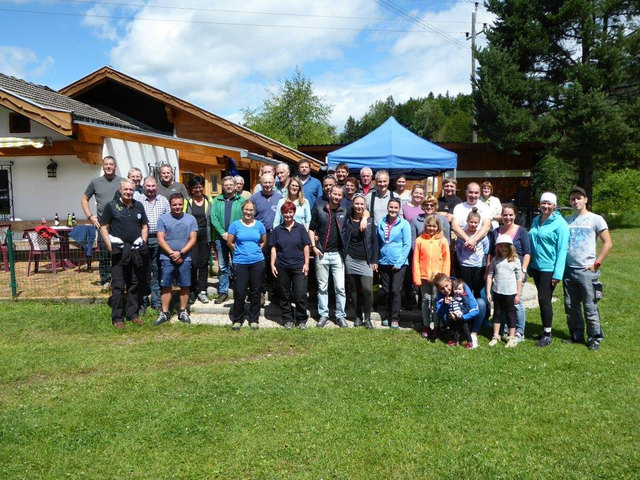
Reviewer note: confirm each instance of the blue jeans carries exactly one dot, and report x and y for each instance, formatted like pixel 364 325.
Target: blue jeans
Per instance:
pixel 478 320
pixel 330 262
pixel 224 265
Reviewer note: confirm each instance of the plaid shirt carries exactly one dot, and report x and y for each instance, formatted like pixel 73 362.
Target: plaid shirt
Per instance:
pixel 153 209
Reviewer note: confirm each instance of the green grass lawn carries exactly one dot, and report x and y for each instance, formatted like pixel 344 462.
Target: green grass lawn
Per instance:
pixel 81 400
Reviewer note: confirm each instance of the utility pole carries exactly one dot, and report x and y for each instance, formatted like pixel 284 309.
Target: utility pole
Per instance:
pixel 474 135
pixel 474 123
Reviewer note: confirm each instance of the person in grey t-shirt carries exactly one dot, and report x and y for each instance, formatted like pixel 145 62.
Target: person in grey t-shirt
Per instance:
pixel 103 188
pixel 168 186
pixel 581 284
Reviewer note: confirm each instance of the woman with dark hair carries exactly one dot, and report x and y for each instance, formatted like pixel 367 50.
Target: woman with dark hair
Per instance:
pixel 401 189
pixel 246 239
pixel 394 237
pixel 289 243
pixel 199 205
pixel 549 236
pixel 361 249
pixel 520 238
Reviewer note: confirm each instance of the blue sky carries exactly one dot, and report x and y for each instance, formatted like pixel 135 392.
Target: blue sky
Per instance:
pixel 225 57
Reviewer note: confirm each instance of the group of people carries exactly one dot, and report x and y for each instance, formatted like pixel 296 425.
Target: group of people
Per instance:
pixel 456 256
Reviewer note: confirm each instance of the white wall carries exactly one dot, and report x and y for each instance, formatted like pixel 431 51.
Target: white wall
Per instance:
pixel 35 195
pixel 133 154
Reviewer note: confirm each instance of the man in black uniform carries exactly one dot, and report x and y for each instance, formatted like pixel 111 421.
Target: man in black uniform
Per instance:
pixel 123 227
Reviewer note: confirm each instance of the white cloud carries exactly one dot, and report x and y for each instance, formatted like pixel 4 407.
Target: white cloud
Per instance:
pixel 22 62
pixel 226 60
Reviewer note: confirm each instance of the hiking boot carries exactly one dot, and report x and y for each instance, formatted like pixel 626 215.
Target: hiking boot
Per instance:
pixel 184 317
pixel 544 341
pixel 288 325
pixel 342 323
pixel 322 322
pixel 119 325
pixel 163 317
pixel 573 340
pixel 511 343
pixel 202 296
pixel 494 341
pixel 223 297
pixel 138 321
pixel 594 344
pixel 235 326
pixel 302 325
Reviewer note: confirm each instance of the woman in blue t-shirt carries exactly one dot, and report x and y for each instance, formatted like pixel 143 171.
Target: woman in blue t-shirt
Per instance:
pixel 246 239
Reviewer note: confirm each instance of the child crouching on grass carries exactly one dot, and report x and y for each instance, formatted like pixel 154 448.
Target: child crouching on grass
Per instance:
pixel 430 256
pixel 504 287
pixel 456 307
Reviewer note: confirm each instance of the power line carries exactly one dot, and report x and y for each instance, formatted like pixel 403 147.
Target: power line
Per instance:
pixel 206 22
pixel 249 12
pixel 418 21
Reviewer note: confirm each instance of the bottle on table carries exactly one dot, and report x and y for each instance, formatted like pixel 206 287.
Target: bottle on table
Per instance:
pixel 73 219
pixel 44 221
pixel 56 221
pixel 69 220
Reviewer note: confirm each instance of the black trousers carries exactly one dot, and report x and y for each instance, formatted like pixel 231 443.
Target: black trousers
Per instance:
pixel 124 277
pixel 474 277
pixel 391 284
pixel 545 293
pixel 361 295
pixel 459 328
pixel 200 264
pixel 503 305
pixel 248 279
pixel 292 287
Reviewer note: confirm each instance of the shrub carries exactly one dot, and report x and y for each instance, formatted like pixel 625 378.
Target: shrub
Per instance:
pixel 616 196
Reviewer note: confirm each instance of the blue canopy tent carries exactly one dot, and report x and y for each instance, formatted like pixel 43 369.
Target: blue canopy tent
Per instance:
pixel 393 148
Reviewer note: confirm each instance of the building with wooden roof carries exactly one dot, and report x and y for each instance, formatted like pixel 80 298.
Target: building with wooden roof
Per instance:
pixel 52 143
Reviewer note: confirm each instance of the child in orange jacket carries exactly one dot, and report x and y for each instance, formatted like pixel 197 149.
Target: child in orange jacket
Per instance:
pixel 430 256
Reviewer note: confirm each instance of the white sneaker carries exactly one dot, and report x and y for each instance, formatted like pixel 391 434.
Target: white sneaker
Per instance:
pixel 519 338
pixel 474 341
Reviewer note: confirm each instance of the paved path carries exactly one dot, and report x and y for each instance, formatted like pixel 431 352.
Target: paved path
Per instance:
pixel 270 315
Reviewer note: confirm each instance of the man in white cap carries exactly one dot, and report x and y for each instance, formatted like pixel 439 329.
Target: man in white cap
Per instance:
pixel 581 284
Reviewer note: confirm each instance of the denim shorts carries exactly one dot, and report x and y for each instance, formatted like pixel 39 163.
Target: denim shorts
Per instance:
pixel 169 270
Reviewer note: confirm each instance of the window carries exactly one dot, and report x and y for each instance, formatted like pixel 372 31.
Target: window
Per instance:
pixel 19 123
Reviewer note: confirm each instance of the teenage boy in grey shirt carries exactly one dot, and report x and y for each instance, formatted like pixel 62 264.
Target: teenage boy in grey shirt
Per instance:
pixel 580 282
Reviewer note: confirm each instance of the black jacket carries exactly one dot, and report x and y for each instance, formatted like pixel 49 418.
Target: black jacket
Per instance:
pixel 320 220
pixel 371 249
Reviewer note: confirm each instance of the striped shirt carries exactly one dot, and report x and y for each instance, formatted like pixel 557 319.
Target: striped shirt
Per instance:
pixel 154 209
